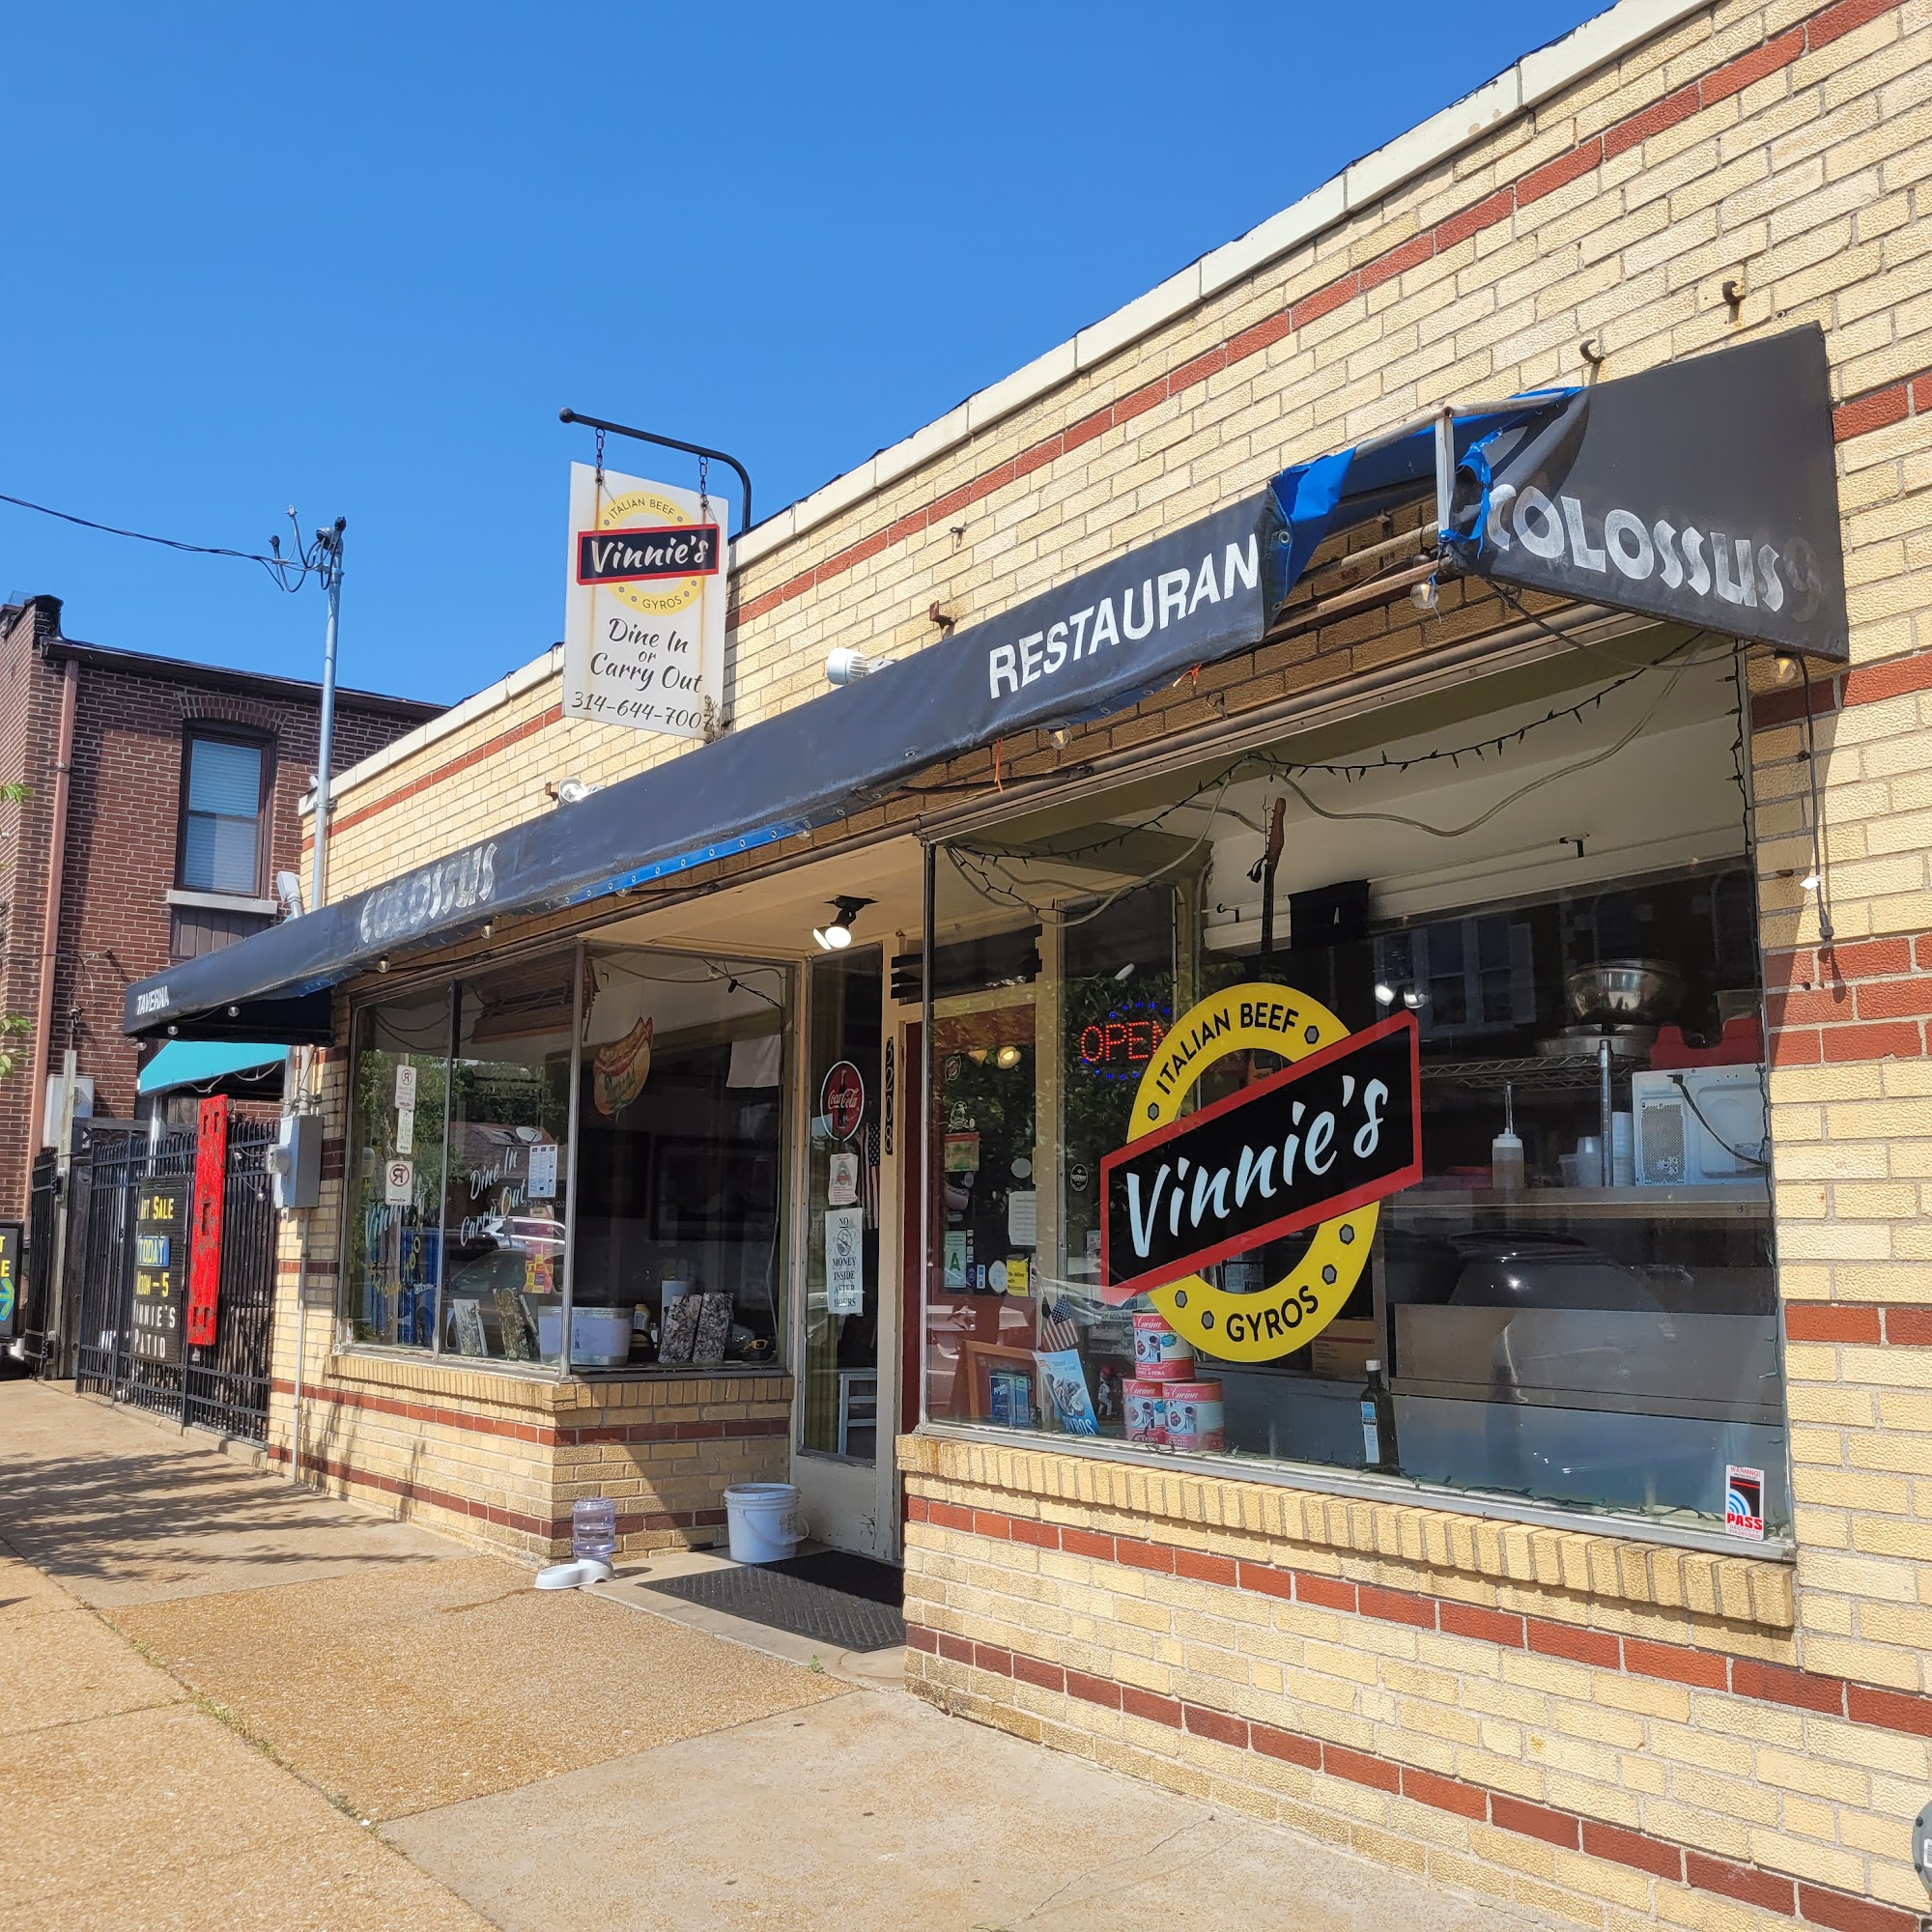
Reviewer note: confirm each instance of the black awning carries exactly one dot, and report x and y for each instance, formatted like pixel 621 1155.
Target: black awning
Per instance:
pixel 1704 492
pixel 1093 646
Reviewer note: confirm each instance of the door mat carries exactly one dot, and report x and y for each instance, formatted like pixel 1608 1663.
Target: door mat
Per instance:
pixel 763 1594
pixel 856 1575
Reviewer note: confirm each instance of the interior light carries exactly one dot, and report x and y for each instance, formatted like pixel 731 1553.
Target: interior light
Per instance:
pixel 1126 974
pixel 836 934
pixel 1009 1057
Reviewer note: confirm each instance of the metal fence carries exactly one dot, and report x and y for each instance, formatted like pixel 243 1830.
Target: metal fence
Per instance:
pixel 223 1386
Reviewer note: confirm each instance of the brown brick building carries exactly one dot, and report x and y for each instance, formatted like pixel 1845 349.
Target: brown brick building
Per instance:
pixel 147 870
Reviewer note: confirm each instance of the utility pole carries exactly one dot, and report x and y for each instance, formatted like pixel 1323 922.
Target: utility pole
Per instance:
pixel 330 544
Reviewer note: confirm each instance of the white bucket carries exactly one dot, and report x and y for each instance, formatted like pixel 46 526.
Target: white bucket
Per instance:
pixel 765 1523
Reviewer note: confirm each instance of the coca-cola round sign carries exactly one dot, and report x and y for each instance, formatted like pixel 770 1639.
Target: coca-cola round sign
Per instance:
pixel 841 1100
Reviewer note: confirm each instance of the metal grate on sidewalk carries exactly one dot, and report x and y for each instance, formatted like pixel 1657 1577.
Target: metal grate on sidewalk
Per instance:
pixel 769 1597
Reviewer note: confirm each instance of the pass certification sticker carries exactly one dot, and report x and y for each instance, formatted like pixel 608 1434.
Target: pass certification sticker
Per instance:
pixel 1314 1146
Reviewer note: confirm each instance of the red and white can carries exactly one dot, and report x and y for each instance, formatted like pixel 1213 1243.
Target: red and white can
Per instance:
pixel 1144 1410
pixel 1160 1355
pixel 1194 1416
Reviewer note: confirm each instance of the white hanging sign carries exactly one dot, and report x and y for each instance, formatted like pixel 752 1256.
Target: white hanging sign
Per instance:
pixel 643 636
pixel 844 1261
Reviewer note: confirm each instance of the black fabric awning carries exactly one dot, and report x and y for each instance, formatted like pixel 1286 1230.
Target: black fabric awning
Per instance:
pixel 1702 492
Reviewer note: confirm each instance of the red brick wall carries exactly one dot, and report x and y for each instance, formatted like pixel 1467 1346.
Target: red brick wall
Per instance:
pixel 122 814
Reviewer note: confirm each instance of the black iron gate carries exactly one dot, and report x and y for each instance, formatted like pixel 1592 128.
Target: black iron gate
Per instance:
pixel 225 1385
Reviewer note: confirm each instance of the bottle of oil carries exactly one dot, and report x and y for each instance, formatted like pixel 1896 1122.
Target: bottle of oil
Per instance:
pixel 1378 1444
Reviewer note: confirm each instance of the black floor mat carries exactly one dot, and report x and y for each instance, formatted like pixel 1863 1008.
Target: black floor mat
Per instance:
pixel 764 1594
pixel 856 1575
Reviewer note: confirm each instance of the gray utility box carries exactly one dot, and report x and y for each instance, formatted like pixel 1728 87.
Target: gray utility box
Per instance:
pixel 295 1161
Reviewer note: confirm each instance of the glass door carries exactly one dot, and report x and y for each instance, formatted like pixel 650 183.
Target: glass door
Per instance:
pixel 846 1381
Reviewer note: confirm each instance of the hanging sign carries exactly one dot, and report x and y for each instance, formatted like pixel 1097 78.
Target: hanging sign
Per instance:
pixel 161 1261
pixel 643 636
pixel 204 1263
pixel 399 1183
pixel 1315 1145
pixel 10 1280
pixel 844 1261
pixel 841 1100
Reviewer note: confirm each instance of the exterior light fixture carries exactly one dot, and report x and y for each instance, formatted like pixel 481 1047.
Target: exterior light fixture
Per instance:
pixel 569 791
pixel 1413 998
pixel 489 928
pixel 1009 1057
pixel 382 964
pixel 1384 993
pixel 1784 667
pixel 836 934
pixel 846 666
pixel 1059 737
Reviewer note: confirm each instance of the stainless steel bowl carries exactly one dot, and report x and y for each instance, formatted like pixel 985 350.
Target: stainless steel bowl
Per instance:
pixel 1623 990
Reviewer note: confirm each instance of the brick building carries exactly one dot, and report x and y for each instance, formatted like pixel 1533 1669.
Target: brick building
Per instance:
pixel 146 876
pixel 1579 1555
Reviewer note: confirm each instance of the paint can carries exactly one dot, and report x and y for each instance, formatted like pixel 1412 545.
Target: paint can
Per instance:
pixel 1144 1410
pixel 1194 1416
pixel 1159 1354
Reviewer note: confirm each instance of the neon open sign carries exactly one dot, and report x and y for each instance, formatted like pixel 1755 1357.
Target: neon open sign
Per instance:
pixel 1119 1045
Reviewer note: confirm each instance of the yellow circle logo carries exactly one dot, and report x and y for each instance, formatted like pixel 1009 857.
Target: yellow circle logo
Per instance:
pixel 1293 1311
pixel 663 597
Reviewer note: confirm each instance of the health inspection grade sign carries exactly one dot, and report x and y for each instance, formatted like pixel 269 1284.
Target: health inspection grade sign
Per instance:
pixel 1315 1145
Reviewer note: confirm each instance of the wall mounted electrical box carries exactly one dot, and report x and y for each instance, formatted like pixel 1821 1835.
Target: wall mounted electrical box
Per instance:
pixel 295 1161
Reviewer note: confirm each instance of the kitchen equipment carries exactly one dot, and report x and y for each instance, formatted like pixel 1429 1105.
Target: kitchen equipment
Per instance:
pixel 1506 1165
pixel 1616 991
pixel 1623 1170
pixel 1585 1043
pixel 1698 1124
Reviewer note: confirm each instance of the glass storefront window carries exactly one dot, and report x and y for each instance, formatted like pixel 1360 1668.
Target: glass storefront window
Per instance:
pixel 392 1205
pixel 509 1146
pixel 597 1130
pixel 1484 1034
pixel 678 1219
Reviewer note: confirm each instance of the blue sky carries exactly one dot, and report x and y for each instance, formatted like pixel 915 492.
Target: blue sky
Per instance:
pixel 354 259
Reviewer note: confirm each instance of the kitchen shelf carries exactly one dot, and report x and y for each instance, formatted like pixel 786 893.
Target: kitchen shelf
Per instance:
pixel 1714 1200
pixel 1539 1073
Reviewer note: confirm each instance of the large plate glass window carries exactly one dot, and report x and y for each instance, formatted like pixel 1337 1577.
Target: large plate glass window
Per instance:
pixel 1375 1104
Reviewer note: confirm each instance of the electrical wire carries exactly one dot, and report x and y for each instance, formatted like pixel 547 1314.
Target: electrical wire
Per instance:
pixel 307 562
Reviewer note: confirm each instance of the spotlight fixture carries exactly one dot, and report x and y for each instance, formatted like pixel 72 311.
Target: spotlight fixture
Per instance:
pixel 382 964
pixel 489 928
pixel 1058 737
pixel 1413 998
pixel 836 934
pixel 848 666
pixel 1784 667
pixel 569 791
pixel 1384 993
pixel 1008 1056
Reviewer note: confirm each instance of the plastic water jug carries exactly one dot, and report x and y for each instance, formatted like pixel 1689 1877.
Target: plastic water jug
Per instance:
pixel 593 1528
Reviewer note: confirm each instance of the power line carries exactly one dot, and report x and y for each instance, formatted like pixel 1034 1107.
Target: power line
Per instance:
pixel 306 561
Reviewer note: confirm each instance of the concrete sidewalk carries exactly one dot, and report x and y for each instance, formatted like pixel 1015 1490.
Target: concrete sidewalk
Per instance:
pixel 237 1704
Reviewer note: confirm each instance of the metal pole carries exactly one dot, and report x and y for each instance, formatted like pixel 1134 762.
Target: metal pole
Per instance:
pixel 325 751
pixel 669 442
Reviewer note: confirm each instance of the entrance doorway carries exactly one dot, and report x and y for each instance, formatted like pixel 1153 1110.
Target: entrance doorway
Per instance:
pixel 847 1341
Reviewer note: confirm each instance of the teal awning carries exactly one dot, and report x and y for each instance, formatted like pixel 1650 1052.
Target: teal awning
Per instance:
pixel 194 1063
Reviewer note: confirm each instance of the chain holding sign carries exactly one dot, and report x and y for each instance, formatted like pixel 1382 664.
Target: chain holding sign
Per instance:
pixel 643 637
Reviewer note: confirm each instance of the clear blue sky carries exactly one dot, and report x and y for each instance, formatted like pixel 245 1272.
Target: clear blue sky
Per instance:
pixel 355 258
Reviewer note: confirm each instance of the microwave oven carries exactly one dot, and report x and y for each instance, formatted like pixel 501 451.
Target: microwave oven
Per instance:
pixel 1699 1124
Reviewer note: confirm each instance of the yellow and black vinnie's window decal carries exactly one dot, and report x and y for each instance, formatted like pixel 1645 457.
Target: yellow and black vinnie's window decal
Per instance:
pixel 1315 1145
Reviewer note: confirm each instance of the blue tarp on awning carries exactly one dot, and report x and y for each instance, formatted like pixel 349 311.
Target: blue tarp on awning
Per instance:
pixel 194 1062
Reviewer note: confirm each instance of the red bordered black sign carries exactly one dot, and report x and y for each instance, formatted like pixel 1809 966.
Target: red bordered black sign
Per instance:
pixel 648 553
